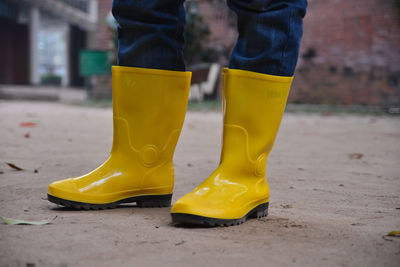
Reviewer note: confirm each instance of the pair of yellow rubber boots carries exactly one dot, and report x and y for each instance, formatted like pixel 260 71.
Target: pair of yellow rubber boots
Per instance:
pixel 149 108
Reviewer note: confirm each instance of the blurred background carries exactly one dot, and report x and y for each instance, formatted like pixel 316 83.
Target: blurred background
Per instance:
pixel 63 49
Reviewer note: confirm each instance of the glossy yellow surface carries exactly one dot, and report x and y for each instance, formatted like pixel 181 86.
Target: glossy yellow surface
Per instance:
pixel 253 107
pixel 149 108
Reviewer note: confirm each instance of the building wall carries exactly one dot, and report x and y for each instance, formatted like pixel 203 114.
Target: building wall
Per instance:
pixel 222 25
pixel 101 39
pixel 350 54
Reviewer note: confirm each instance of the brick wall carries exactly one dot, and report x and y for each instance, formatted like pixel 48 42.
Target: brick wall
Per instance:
pixel 101 39
pixel 222 25
pixel 350 54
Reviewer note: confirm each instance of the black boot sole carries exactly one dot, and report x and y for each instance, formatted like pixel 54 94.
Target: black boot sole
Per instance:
pixel 190 219
pixel 150 201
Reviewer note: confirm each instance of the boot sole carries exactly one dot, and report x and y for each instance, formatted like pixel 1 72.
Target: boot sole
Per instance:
pixel 151 201
pixel 190 219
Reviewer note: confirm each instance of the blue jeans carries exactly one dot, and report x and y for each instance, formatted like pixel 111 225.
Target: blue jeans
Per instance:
pixel 151 34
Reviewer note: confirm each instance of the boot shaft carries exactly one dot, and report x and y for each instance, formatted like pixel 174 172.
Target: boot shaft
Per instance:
pixel 152 106
pixel 253 105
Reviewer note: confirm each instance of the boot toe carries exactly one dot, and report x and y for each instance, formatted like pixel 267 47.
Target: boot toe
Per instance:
pixel 62 188
pixel 190 204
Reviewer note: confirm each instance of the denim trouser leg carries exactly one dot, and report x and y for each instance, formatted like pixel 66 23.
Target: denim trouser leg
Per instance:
pixel 150 33
pixel 269 35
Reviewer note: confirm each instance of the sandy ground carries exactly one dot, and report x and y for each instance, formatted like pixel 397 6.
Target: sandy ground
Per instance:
pixel 327 208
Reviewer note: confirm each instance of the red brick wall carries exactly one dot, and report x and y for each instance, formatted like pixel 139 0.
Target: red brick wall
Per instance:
pixel 101 37
pixel 350 54
pixel 222 26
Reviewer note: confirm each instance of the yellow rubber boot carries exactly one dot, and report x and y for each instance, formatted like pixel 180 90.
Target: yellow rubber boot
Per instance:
pixel 149 108
pixel 253 107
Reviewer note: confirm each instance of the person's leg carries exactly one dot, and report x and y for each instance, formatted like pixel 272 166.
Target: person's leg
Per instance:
pixel 150 93
pixel 255 90
pixel 150 33
pixel 269 35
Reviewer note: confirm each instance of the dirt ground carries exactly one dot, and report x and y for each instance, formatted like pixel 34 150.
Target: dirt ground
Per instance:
pixel 329 206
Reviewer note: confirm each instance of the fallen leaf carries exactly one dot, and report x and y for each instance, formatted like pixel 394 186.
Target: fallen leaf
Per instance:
pixel 27 124
pixel 384 237
pixel 12 221
pixel 356 156
pixel 14 166
pixel 1 172
pixel 180 243
pixel 27 135
pixel 394 233
pixel 288 206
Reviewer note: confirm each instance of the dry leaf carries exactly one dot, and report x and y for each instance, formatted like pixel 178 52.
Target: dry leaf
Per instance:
pixel 12 221
pixel 27 135
pixel 27 124
pixel 14 166
pixel 356 156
